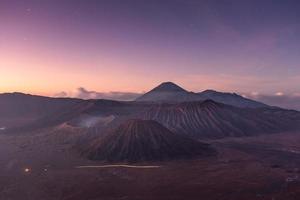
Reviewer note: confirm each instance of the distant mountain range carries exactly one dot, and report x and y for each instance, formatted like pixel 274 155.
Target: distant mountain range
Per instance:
pixel 170 92
pixel 208 114
pixel 162 124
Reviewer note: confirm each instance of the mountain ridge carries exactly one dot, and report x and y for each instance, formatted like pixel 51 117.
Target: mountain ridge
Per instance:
pixel 181 95
pixel 209 119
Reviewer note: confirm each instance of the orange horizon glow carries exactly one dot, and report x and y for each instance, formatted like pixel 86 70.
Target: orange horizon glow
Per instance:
pixel 104 46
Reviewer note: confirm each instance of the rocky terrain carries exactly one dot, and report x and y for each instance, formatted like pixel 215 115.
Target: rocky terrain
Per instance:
pixel 209 119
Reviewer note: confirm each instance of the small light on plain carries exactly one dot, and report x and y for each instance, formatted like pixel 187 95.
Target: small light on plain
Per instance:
pixel 26 170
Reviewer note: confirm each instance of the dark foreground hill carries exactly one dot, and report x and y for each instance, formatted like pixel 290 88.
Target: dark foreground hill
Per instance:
pixel 144 140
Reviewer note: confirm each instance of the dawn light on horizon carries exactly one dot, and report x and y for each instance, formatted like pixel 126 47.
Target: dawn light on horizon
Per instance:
pixel 47 47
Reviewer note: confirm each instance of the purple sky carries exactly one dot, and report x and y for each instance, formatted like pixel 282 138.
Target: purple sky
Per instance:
pixel 245 46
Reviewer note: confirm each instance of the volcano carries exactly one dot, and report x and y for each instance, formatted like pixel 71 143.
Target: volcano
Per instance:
pixel 144 140
pixel 168 92
pixel 168 87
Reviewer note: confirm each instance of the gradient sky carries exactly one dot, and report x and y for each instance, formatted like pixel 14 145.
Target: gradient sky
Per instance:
pixel 250 47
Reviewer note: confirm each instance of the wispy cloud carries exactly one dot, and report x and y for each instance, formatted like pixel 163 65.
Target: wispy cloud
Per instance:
pixel 61 94
pixel 84 93
pixel 290 101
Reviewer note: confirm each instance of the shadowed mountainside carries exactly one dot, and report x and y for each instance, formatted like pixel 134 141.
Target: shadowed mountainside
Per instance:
pixel 209 119
pixel 18 109
pixel 19 104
